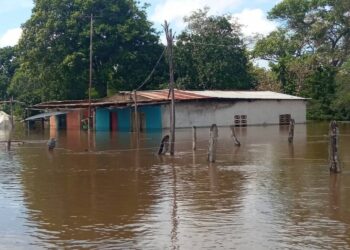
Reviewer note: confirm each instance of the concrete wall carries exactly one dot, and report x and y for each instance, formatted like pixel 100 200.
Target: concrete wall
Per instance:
pixel 74 120
pixel 205 113
pixel 53 122
pixel 53 127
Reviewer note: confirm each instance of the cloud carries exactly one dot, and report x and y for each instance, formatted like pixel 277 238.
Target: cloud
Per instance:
pixel 174 10
pixel 11 37
pixel 7 5
pixel 254 22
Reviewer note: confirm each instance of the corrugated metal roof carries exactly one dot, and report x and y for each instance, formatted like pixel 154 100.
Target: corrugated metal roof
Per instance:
pixel 262 95
pixel 158 96
pixel 43 115
pixel 163 94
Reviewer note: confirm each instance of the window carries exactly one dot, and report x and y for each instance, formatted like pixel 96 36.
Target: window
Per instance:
pixel 284 119
pixel 240 120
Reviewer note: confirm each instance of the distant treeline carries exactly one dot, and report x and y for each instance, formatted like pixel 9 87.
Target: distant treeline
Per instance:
pixel 308 54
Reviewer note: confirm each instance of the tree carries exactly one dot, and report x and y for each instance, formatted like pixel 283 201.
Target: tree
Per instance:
pixel 279 49
pixel 210 54
pixel 342 101
pixel 320 87
pixel 322 27
pixel 308 49
pixel 54 49
pixel 265 79
pixel 8 65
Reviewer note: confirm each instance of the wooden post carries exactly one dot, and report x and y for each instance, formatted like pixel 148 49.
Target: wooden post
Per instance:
pixel 27 115
pixel 8 148
pixel 213 143
pixel 194 138
pixel 164 145
pixel 90 73
pixel 137 126
pixel 334 165
pixel 169 38
pixel 234 137
pixel 11 108
pixel 291 131
pixel 51 144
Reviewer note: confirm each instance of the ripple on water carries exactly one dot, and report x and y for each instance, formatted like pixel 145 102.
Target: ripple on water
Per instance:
pixel 264 195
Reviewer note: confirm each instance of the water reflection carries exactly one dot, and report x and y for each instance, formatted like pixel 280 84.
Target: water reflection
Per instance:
pixel 111 190
pixel 76 195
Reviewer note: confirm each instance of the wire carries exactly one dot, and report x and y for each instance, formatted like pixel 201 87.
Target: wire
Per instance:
pixel 210 44
pixel 152 72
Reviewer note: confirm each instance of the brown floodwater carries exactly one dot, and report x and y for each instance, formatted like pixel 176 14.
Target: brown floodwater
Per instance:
pixel 112 191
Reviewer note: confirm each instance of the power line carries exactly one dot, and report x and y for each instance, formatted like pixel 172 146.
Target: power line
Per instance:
pixel 152 72
pixel 211 44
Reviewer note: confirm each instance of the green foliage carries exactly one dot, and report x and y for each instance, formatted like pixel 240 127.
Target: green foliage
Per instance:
pixel 308 50
pixel 25 88
pixel 278 44
pixel 8 65
pixel 342 101
pixel 210 54
pixel 321 27
pixel 265 80
pixel 279 49
pixel 320 88
pixel 54 49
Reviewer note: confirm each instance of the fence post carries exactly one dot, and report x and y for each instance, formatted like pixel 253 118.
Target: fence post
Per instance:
pixel 194 138
pixel 164 145
pixel 234 137
pixel 291 131
pixel 334 165
pixel 213 143
pixel 8 144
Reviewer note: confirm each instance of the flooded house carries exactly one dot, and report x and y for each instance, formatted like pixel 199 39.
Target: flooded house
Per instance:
pixel 193 108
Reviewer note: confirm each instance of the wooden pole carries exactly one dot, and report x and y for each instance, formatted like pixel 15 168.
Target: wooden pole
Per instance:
pixel 291 131
pixel 136 117
pixel 42 124
pixel 12 125
pixel 169 37
pixel 8 147
pixel 28 122
pixel 90 72
pixel 164 145
pixel 334 165
pixel 213 143
pixel 194 138
pixel 234 137
pixel 11 108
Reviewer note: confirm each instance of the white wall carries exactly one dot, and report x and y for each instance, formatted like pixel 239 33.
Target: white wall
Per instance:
pixel 205 113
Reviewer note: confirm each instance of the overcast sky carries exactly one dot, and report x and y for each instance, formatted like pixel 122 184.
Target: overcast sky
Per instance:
pixel 250 13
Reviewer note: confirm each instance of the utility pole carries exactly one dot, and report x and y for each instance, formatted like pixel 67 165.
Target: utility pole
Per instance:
pixel 11 106
pixel 170 38
pixel 90 72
